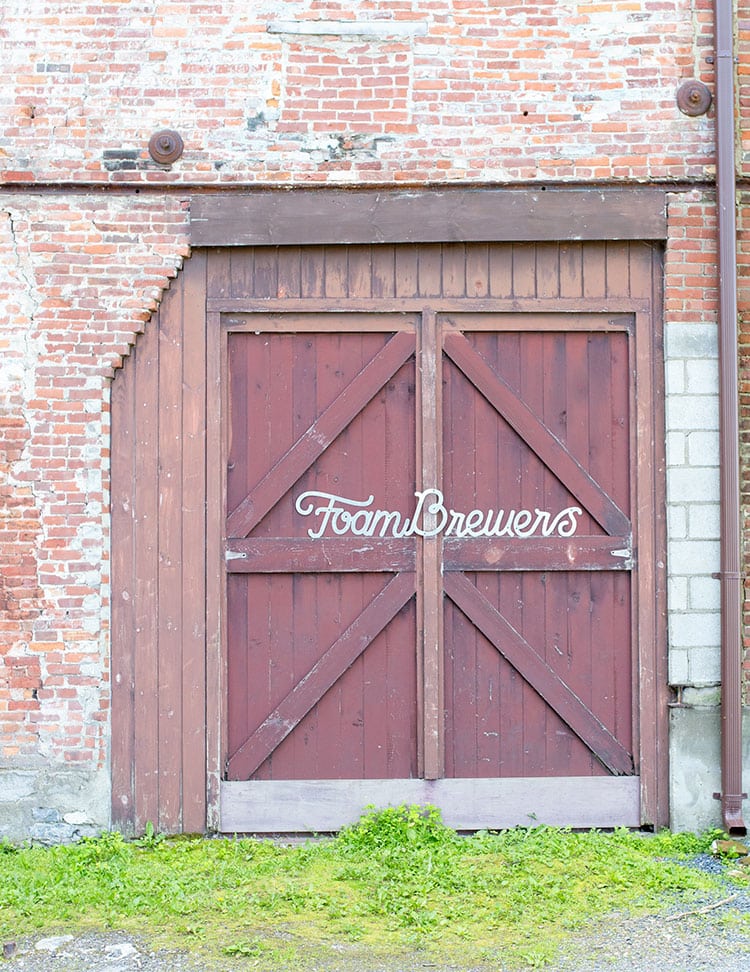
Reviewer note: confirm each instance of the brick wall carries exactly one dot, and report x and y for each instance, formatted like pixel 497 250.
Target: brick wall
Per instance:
pixel 433 91
pixel 82 274
pixel 282 93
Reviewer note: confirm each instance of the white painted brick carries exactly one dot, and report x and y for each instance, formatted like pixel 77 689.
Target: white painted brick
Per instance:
pixel 704 521
pixel 693 629
pixel 704 665
pixel 692 412
pixel 703 448
pixel 691 341
pixel 676 449
pixel 691 485
pixel 704 593
pixel 693 556
pixel 677 594
pixel 702 376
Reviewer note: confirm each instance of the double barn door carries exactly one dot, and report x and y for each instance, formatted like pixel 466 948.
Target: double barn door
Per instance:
pixel 434 589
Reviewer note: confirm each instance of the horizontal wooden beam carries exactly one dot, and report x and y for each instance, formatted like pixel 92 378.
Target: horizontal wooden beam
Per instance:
pixel 312 806
pixel 309 217
pixel 537 553
pixel 284 555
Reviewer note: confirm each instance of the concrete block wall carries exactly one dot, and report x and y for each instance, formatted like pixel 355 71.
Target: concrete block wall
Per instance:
pixel 303 93
pixel 692 420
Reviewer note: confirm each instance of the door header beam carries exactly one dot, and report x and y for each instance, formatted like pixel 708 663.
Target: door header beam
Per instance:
pixel 331 216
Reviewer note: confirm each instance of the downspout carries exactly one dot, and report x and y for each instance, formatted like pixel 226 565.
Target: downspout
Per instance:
pixel 730 573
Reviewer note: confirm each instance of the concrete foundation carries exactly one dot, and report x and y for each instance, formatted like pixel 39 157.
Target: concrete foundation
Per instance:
pixel 52 805
pixel 695 766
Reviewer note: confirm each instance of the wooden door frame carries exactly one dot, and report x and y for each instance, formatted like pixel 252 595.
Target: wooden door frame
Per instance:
pixel 352 216
pixel 332 216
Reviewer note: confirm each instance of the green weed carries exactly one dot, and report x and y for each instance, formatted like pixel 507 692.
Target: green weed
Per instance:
pixel 397 882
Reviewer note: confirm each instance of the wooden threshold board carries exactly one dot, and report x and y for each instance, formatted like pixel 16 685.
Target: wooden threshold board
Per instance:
pixel 321 806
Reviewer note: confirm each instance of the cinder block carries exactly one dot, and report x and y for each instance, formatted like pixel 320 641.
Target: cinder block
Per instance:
pixel 676 448
pixel 692 629
pixel 702 376
pixel 693 340
pixel 704 521
pixel 678 666
pixel 677 521
pixel 686 484
pixel 692 412
pixel 693 556
pixel 677 594
pixel 703 448
pixel 705 666
pixel 704 593
pixel 675 377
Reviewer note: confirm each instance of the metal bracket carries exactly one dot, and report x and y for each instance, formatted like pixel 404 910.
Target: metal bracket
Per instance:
pixel 693 98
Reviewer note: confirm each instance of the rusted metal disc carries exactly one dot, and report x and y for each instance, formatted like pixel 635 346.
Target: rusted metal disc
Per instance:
pixel 165 147
pixel 693 98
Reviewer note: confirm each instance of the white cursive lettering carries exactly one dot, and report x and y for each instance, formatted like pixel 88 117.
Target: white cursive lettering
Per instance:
pixel 431 517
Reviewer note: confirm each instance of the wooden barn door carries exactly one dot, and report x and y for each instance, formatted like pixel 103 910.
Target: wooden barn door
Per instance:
pixel 440 561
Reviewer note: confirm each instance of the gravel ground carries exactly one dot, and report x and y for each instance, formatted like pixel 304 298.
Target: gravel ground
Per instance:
pixel 694 938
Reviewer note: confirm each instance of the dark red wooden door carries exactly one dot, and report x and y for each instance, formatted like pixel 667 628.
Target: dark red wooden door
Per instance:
pixel 537 625
pixel 432 585
pixel 322 662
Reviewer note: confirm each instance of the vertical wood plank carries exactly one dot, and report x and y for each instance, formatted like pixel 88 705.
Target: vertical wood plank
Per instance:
pixel 595 270
pixel 146 594
pixel 383 271
pixel 336 273
pixel 312 262
pixel 618 269
pixel 477 270
pixel 218 274
pixel 454 270
pixel 170 607
pixel 407 271
pixel 360 272
pixel 193 531
pixel 547 270
pixel 265 282
pixel 289 271
pixel 122 490
pixel 649 619
pixel 216 412
pixel 501 271
pixel 659 808
pixel 524 269
pixel 430 271
pixel 431 554
pixel 571 270
pixel 239 271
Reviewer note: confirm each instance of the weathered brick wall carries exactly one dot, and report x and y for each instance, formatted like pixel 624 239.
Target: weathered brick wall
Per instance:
pixel 446 90
pixel 81 275
pixel 389 93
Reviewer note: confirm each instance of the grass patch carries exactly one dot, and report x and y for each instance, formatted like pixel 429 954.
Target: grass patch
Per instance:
pixel 397 883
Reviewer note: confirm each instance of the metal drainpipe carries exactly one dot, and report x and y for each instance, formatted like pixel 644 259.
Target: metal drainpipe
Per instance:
pixel 731 578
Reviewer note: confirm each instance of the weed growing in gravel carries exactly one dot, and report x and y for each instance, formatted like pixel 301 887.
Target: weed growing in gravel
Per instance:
pixel 398 881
